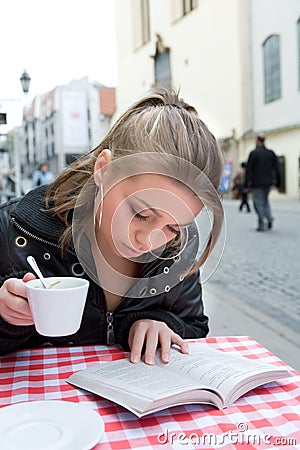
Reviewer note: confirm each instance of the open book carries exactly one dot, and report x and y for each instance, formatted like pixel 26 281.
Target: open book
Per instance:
pixel 204 376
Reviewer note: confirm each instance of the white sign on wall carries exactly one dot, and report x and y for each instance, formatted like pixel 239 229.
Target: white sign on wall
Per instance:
pixel 74 119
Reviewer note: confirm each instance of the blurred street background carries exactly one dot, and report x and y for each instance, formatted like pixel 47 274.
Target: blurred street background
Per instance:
pixel 255 290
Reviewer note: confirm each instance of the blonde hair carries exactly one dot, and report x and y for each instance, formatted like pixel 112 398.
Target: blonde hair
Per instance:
pixel 159 123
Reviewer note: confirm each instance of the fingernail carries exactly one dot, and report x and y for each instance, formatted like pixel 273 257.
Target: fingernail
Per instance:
pixel 150 361
pixel 134 359
pixel 166 357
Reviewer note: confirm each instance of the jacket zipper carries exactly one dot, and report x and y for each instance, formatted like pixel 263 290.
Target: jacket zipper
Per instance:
pixel 32 235
pixel 110 334
pixel 37 238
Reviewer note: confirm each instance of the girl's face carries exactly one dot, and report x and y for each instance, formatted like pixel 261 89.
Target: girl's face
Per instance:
pixel 144 213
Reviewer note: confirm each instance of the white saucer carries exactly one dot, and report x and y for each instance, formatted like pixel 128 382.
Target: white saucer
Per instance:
pixel 49 425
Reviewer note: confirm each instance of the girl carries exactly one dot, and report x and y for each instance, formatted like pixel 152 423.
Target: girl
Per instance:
pixel 121 216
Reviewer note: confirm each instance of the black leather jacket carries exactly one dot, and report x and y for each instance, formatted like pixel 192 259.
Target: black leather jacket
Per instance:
pixel 27 229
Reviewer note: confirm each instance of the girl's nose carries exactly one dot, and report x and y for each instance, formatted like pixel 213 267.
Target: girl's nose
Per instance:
pixel 146 241
pixel 142 241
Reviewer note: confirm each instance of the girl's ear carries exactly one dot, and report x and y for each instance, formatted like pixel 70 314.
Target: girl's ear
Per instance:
pixel 102 160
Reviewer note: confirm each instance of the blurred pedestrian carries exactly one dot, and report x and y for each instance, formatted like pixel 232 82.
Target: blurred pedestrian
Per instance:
pixel 262 173
pixel 6 191
pixel 240 187
pixel 42 176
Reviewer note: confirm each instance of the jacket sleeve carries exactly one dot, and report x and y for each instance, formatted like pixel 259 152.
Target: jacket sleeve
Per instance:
pixel 181 309
pixel 13 337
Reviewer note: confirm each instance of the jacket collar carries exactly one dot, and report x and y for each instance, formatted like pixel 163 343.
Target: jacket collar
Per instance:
pixel 30 212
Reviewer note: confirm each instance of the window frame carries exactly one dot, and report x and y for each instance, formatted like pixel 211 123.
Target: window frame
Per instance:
pixel 141 22
pixel 180 8
pixel 272 68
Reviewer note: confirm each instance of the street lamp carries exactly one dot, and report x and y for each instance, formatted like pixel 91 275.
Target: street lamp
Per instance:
pixel 25 82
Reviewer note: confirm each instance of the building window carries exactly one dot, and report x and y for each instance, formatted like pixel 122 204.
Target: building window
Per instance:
pixel 271 54
pixel 162 66
pixel 188 6
pixel 298 28
pixel 182 7
pixel 162 69
pixel 141 22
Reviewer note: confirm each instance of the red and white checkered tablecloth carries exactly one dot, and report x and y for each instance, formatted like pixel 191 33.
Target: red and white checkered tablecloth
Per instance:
pixel 267 417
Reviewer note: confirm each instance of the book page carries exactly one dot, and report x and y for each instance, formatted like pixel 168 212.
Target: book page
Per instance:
pixel 137 386
pixel 222 372
pixel 149 382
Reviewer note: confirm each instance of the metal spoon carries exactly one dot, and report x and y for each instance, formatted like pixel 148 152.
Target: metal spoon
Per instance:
pixel 32 262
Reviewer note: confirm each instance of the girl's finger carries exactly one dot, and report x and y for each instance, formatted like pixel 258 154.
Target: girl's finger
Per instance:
pixel 176 339
pixel 165 342
pixel 17 319
pixel 16 287
pixel 18 306
pixel 151 346
pixel 137 338
pixel 28 276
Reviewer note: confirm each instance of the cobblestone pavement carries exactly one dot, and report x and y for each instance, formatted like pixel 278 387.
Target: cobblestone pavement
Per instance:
pixel 263 268
pixel 255 290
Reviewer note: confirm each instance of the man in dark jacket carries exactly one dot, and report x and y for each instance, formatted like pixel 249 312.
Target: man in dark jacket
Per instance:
pixel 262 172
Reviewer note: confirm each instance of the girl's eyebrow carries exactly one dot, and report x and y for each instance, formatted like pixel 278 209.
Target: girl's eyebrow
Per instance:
pixel 158 214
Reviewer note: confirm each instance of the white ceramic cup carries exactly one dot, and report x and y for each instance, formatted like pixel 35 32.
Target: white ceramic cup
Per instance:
pixel 57 311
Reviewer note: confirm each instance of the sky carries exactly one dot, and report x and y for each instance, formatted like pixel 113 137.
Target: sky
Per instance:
pixel 55 41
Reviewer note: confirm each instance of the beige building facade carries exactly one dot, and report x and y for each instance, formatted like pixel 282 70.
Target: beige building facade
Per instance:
pixel 275 85
pixel 213 51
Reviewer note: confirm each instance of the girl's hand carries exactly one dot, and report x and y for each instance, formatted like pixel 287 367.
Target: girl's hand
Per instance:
pixel 152 332
pixel 14 307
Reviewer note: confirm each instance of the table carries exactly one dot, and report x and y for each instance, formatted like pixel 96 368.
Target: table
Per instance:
pixel 267 417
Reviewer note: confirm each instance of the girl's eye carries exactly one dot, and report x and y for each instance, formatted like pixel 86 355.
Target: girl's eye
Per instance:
pixel 144 217
pixel 140 216
pixel 176 232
